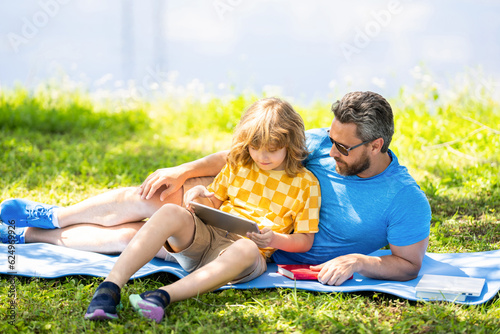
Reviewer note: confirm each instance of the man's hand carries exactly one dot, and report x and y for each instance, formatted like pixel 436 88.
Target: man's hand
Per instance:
pixel 173 178
pixel 264 239
pixel 402 264
pixel 338 270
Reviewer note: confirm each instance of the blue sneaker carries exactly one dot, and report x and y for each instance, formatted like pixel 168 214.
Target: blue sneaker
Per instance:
pixel 16 234
pixel 105 303
pixel 24 213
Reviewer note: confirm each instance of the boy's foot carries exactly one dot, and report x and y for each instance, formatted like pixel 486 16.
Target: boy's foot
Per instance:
pixel 16 235
pixel 24 213
pixel 151 304
pixel 105 302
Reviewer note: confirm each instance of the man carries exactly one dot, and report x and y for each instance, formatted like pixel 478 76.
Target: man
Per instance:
pixel 369 201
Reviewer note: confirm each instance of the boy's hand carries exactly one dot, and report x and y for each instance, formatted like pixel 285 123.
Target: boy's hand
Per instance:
pixel 194 193
pixel 264 239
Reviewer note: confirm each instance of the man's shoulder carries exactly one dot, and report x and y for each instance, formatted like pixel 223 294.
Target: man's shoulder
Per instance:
pixel 403 185
pixel 317 133
pixel 398 172
pixel 315 139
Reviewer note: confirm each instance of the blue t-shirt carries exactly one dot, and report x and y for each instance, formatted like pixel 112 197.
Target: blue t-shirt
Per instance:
pixel 361 215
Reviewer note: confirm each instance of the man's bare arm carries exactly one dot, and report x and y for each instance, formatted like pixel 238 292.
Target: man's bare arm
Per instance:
pixel 402 265
pixel 174 177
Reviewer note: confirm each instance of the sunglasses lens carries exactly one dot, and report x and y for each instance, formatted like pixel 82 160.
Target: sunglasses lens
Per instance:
pixel 339 147
pixel 342 149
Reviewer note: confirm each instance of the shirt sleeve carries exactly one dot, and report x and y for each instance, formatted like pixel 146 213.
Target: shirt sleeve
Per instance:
pixel 307 218
pixel 409 217
pixel 220 184
pixel 314 138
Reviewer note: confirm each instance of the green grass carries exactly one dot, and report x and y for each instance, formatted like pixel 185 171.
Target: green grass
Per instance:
pixel 61 146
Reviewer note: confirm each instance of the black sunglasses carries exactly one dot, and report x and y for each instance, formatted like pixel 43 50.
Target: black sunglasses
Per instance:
pixel 345 150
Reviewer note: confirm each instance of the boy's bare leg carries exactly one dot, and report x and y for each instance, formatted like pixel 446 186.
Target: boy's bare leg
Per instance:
pixel 238 260
pixel 172 223
pixel 176 225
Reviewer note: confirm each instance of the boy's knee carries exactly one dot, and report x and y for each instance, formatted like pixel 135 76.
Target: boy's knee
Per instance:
pixel 246 250
pixel 172 214
pixel 171 210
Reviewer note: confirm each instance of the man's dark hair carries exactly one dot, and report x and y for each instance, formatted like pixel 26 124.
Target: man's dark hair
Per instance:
pixel 370 112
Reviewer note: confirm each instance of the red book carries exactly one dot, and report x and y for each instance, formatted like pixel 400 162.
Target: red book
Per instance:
pixel 298 271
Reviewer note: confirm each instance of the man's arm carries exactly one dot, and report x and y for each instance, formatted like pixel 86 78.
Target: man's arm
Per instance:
pixel 402 265
pixel 174 177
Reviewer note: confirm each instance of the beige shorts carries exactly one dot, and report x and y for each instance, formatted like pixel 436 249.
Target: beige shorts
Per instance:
pixel 208 243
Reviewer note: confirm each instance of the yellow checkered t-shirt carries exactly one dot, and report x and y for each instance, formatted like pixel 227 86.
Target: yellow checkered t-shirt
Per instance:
pixel 270 198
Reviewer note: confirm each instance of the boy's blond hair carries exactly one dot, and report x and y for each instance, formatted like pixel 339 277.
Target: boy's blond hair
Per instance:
pixel 270 123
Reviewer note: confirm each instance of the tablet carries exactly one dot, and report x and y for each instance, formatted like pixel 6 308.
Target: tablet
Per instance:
pixel 441 287
pixel 224 220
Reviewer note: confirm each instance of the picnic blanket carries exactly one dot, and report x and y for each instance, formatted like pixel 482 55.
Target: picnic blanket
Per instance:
pixel 49 261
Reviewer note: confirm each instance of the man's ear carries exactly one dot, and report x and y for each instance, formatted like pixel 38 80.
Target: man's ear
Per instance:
pixel 377 145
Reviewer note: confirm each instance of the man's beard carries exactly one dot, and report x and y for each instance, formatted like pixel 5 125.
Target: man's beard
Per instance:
pixel 354 169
